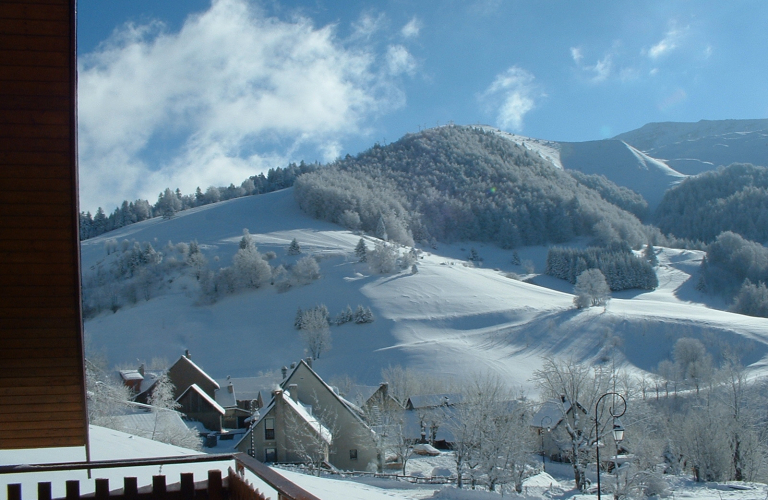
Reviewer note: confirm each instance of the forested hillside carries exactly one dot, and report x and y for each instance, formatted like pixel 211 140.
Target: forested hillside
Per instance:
pixel 463 183
pixel 733 198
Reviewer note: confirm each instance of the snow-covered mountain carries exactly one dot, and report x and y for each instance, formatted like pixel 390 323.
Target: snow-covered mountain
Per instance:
pixel 622 164
pixel 450 318
pixel 692 148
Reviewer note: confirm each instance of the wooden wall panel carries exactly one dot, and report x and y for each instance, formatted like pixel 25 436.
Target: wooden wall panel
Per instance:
pixel 42 383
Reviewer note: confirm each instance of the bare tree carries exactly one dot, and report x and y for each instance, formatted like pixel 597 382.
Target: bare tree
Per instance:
pixel 576 388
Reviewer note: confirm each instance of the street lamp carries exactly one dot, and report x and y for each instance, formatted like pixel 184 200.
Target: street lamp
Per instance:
pixel 541 433
pixel 618 430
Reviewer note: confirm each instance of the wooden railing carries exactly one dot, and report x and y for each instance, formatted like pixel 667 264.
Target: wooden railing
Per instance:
pixel 232 487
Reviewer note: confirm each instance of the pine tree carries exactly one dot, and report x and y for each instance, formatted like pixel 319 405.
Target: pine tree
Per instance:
pixel 650 254
pixel 294 248
pixel 361 250
pixel 297 321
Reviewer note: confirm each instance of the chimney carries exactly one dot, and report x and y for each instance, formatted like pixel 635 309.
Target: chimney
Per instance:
pixel 294 390
pixel 231 388
pixel 309 362
pixel 285 371
pixel 141 369
pixel 186 354
pixel 384 389
pixel 293 365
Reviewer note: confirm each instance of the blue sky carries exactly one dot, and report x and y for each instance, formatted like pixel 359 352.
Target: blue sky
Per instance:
pixel 187 93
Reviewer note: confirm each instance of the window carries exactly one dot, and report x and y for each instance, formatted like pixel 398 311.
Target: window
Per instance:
pixel 269 428
pixel 353 454
pixel 270 455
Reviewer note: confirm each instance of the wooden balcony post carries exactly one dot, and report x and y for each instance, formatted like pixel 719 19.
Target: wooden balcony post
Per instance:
pixel 44 491
pixel 14 491
pixel 73 490
pixel 215 487
pixel 102 489
pixel 130 488
pixel 187 485
pixel 158 487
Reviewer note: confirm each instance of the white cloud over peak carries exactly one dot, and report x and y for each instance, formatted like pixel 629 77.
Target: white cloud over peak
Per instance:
pixel 512 95
pixel 229 95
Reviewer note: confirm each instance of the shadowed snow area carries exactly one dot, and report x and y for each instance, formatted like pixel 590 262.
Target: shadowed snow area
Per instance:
pixel 449 318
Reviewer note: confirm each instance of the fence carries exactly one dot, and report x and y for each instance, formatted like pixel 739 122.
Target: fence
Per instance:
pixel 232 487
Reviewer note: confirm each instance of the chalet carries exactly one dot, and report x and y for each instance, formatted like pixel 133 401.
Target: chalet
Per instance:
pixel 195 404
pixel 279 432
pixel 426 416
pixel 374 401
pixel 240 397
pixel 182 374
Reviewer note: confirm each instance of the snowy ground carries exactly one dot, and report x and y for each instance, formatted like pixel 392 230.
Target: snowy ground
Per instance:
pixel 450 318
pixel 107 444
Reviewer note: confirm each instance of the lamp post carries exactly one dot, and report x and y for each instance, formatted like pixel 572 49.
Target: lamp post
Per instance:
pixel 541 432
pixel 618 430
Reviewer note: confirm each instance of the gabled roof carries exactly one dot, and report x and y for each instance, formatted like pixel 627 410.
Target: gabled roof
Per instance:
pixel 195 388
pixel 186 360
pixel 247 388
pixel 299 409
pixel 360 394
pixel 356 412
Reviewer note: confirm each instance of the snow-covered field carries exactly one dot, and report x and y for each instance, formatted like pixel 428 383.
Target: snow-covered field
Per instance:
pixel 450 318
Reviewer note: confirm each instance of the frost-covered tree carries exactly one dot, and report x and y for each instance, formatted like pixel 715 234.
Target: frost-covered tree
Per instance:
pixel 251 269
pixel 305 270
pixel 344 316
pixel 383 258
pixel 591 289
pixel 315 331
pixel 363 315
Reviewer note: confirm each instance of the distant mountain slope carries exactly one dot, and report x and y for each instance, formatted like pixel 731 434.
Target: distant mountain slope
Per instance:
pixel 733 198
pixel 692 148
pixel 464 183
pixel 622 164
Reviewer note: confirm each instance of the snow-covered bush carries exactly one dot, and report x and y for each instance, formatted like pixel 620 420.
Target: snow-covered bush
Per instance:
pixel 383 258
pixel 305 270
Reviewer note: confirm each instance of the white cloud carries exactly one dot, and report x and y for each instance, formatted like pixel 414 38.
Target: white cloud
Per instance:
pixel 411 29
pixel 231 94
pixel 512 95
pixel 577 55
pixel 598 72
pixel 399 60
pixel 667 44
pixel 367 25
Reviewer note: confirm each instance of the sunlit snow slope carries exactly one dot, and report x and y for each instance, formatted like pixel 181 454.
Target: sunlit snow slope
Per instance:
pixel 449 318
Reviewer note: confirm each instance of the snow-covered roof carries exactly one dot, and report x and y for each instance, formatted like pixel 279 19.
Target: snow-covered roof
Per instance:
pixel 225 396
pixel 433 400
pixel 144 424
pixel 248 388
pixel 550 414
pixel 131 375
pixel 413 425
pixel 196 388
pixel 301 410
pixel 360 394
pixel 202 372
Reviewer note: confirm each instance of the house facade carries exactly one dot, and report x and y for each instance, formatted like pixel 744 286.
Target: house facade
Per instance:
pixel 279 433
